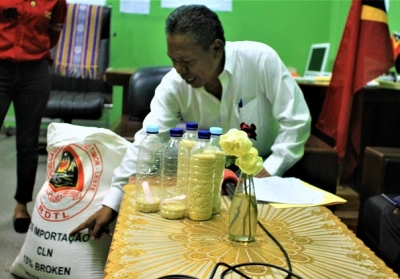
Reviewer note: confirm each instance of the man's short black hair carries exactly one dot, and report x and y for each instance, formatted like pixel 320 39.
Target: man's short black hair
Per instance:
pixel 197 20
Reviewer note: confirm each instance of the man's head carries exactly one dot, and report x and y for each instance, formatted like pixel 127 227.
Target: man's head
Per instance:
pixel 195 40
pixel 198 21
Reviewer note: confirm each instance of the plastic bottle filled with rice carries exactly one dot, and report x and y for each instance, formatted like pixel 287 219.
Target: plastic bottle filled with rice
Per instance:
pixel 174 191
pixel 148 171
pixel 220 156
pixel 201 178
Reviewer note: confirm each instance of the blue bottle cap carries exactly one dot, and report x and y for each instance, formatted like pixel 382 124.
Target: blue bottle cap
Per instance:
pixel 204 134
pixel 191 126
pixel 176 132
pixel 216 131
pixel 152 129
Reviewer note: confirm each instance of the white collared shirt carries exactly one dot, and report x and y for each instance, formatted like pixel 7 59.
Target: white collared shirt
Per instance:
pixel 271 100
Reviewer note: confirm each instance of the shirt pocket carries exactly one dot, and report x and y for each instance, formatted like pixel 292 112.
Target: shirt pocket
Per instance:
pixel 249 113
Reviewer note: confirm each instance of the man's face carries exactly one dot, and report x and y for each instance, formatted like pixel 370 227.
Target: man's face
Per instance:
pixel 195 65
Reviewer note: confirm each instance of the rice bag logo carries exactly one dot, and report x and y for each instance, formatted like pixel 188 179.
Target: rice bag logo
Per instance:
pixel 66 175
pixel 74 173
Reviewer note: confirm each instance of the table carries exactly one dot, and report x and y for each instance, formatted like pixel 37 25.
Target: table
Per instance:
pixel 320 246
pixel 120 77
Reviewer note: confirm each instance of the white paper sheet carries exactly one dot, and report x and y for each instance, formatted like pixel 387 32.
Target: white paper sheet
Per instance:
pixel 286 190
pixel 134 6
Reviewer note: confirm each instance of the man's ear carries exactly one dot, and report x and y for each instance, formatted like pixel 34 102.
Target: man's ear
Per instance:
pixel 217 47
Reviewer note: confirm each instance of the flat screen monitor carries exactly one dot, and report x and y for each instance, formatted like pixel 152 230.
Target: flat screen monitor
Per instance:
pixel 316 60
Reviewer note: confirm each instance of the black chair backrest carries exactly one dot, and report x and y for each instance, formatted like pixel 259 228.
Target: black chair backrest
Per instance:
pixel 142 86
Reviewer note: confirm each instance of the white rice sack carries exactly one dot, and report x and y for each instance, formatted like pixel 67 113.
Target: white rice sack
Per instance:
pixel 80 165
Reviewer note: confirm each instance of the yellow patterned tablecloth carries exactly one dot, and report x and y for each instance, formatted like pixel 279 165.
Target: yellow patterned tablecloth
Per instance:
pixel 145 245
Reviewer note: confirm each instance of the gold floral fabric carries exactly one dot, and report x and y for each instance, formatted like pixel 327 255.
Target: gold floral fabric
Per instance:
pixel 145 245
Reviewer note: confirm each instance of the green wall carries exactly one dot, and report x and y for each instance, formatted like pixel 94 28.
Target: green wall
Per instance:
pixel 289 26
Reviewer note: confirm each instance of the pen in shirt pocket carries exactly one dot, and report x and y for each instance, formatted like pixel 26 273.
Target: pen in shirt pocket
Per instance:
pixel 240 104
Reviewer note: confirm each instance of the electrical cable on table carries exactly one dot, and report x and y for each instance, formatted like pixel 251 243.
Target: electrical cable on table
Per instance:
pixel 234 268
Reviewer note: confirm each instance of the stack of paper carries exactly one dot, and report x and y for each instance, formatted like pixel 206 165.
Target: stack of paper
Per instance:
pixel 292 192
pixel 389 84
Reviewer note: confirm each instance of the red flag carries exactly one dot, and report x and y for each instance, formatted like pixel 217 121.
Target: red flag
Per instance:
pixel 365 52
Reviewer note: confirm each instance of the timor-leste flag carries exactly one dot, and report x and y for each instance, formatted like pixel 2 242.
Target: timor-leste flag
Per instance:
pixel 365 52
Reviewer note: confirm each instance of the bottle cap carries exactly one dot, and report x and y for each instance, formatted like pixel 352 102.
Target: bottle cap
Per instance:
pixel 152 129
pixel 216 131
pixel 176 132
pixel 191 126
pixel 204 134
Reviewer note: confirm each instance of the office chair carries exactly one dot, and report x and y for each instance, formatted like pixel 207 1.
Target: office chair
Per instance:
pixel 142 86
pixel 75 96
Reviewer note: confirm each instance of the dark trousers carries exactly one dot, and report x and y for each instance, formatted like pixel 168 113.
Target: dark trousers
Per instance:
pixel 390 237
pixel 27 86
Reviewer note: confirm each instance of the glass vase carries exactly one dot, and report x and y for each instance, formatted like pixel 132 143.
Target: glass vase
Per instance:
pixel 243 212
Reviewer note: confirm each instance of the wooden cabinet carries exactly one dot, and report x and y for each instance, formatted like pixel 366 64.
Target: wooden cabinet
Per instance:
pixel 380 118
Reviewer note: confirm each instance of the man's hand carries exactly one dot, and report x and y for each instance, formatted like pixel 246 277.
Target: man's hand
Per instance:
pixel 98 223
pixel 396 212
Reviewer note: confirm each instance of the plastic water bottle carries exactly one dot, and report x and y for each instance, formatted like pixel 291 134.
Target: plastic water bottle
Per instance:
pixel 190 136
pixel 220 156
pixel 201 178
pixel 174 188
pixel 148 171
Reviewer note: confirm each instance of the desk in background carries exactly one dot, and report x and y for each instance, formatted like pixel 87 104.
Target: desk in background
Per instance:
pixel 318 244
pixel 120 77
pixel 380 121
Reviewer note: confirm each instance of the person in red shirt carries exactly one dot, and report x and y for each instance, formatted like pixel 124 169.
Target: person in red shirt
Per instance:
pixel 28 30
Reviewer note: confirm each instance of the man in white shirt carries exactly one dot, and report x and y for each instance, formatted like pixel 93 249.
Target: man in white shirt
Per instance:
pixel 218 83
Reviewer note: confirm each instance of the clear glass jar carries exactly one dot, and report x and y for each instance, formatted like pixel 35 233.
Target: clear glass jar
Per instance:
pixel 243 211
pixel 174 190
pixel 201 178
pixel 148 171
pixel 220 157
